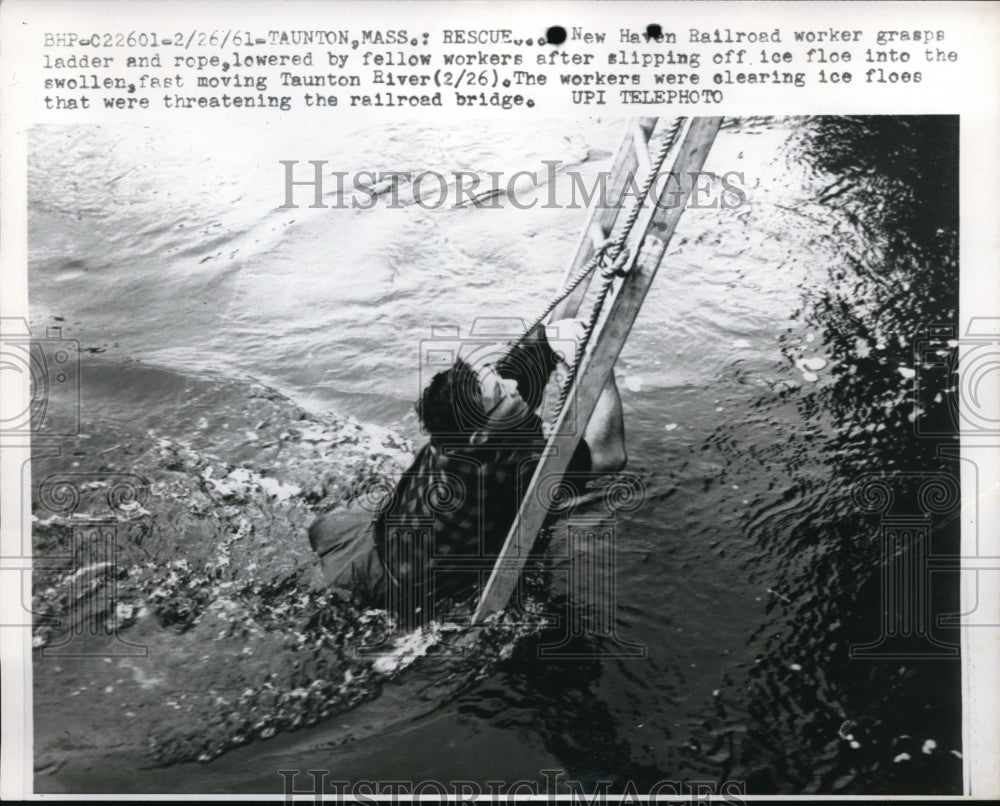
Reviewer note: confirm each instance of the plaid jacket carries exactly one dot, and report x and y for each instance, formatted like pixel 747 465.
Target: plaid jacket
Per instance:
pixel 439 533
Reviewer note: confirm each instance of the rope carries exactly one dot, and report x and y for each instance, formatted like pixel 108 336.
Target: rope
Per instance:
pixel 617 252
pixel 617 246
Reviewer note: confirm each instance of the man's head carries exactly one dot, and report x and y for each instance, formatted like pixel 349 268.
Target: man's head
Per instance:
pixel 465 402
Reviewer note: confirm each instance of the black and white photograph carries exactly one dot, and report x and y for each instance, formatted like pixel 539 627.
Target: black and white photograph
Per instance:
pixel 436 455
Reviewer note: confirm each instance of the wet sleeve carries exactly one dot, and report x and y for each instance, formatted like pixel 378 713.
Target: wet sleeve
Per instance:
pixel 581 461
pixel 580 469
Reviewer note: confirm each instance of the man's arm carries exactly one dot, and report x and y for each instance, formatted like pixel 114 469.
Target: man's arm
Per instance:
pixel 605 433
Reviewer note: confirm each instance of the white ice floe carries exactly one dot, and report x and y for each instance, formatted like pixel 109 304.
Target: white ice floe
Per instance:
pixel 809 366
pixel 741 344
pixel 406 649
pixel 410 646
pixel 274 488
pixel 313 434
pixel 241 479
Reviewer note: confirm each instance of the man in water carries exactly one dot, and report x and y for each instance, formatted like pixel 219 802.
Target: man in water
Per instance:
pixel 437 535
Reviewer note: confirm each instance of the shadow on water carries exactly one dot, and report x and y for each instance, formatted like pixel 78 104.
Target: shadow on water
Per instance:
pixel 849 692
pixel 560 701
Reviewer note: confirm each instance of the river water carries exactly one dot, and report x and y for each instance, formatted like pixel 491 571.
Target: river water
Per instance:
pixel 768 379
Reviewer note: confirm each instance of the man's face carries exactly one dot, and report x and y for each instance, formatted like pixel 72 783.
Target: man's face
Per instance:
pixel 501 400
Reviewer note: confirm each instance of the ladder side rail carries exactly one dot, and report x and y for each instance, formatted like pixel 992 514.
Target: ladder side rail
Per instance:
pixel 640 142
pixel 644 222
pixel 624 161
pixel 602 216
pixel 597 365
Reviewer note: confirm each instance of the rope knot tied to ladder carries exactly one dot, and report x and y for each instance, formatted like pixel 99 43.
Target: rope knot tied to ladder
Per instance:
pixel 619 266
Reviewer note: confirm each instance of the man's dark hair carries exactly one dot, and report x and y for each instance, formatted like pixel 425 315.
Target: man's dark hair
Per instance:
pixel 452 403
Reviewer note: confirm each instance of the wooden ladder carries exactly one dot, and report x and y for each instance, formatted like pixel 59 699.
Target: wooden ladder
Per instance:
pixel 647 242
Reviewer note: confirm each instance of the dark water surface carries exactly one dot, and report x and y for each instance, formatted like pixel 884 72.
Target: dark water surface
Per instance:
pixel 769 399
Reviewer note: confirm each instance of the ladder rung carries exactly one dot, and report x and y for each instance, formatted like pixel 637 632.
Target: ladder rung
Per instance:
pixel 603 216
pixel 640 137
pixel 598 235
